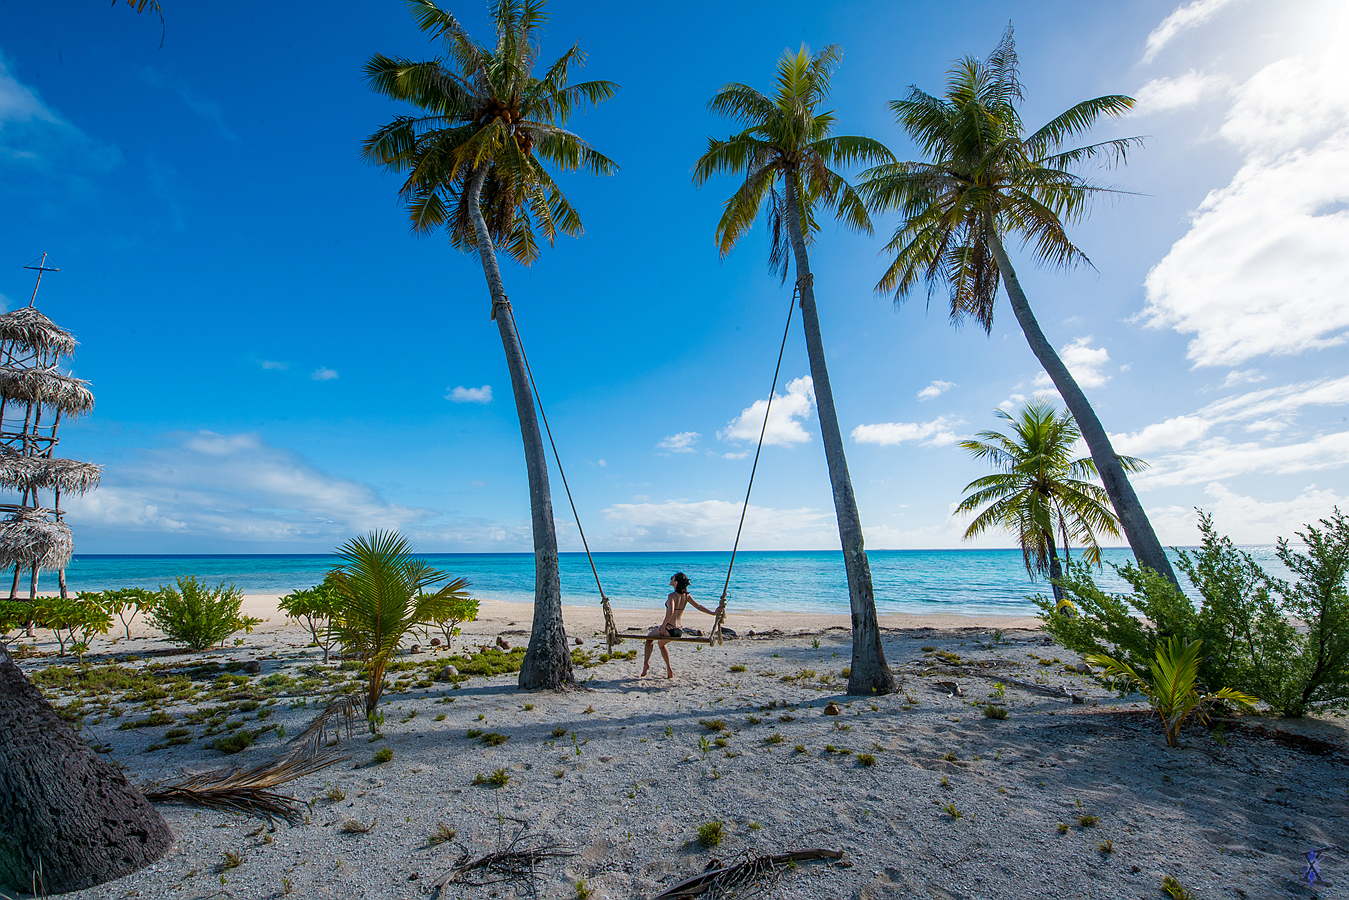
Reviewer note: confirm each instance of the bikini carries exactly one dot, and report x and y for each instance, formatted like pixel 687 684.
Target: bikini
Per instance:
pixel 679 608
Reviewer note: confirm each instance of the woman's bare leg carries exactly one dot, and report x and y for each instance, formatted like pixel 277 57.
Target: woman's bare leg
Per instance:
pixel 665 654
pixel 646 662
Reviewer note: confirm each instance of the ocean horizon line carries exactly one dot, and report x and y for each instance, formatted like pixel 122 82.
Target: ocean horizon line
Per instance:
pixel 212 554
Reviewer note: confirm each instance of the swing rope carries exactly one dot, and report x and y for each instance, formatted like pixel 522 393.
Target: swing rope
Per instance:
pixel 721 610
pixel 611 634
pixel 609 626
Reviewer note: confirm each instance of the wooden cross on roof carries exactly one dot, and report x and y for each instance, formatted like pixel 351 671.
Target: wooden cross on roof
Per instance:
pixel 39 268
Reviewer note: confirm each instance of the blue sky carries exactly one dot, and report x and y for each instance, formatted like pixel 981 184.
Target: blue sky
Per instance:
pixel 279 364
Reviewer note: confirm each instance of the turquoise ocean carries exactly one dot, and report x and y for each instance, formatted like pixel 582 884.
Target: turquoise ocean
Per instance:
pixel 969 582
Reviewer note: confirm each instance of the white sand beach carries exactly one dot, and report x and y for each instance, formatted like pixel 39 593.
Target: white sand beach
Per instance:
pixel 1059 799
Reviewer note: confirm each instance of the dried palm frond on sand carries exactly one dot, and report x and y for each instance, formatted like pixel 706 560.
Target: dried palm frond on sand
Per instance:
pixel 512 863
pixel 755 874
pixel 246 791
pixel 328 727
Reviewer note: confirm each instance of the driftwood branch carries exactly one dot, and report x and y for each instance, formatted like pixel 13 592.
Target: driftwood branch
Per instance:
pixel 515 862
pixel 718 882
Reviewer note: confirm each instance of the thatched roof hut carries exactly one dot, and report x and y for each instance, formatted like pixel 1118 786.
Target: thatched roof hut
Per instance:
pixel 30 329
pixel 48 387
pixel 29 539
pixel 33 473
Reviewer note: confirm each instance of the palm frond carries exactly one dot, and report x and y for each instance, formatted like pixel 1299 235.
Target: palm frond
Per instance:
pixel 245 791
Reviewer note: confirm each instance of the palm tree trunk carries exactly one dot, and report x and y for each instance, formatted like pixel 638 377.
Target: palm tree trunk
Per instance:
pixel 547 662
pixel 1132 517
pixel 68 820
pixel 869 673
pixel 1055 567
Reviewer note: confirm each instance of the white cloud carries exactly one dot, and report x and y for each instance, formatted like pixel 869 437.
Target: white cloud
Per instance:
pixel 1181 19
pixel 1279 401
pixel 21 104
pixel 235 488
pixel 1242 376
pixel 323 374
pixel 1221 458
pixel 1262 268
pixel 273 364
pixel 1012 402
pixel 1245 520
pixel 784 421
pixel 209 110
pixel 936 389
pixel 1168 435
pixel 680 443
pixel 1197 448
pixel 36 138
pixel 709 524
pixel 463 394
pixel 937 433
pixel 1163 94
pixel 1083 361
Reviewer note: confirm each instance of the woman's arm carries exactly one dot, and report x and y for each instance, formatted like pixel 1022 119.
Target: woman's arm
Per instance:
pixel 692 602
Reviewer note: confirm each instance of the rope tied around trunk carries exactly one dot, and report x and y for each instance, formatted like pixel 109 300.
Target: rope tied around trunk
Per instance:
pixel 503 303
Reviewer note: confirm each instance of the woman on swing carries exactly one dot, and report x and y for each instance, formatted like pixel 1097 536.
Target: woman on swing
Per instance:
pixel 674 612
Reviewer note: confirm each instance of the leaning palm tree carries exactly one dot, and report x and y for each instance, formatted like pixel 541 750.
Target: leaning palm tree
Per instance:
pixel 1040 490
pixel 786 154
pixel 475 163
pixel 378 596
pixel 984 179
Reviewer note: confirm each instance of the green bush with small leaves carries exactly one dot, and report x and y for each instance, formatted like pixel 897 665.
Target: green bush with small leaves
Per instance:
pixel 710 834
pixel 199 616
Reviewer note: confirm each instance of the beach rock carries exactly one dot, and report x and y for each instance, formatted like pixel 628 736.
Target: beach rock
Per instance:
pixel 1085 669
pixel 415 648
pixel 435 642
pixel 253 667
pixel 503 643
pixel 579 642
pixel 949 687
pixel 1078 698
pixel 832 709
pixel 447 673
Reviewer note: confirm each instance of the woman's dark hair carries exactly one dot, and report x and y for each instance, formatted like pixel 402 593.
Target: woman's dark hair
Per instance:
pixel 681 583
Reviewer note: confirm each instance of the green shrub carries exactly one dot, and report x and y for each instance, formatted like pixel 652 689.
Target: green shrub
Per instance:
pixel 13 614
pixel 453 613
pixel 199 616
pixel 995 712
pixel 72 620
pixel 238 740
pixel 126 604
pixel 1313 668
pixel 1243 617
pixel 315 607
pixel 710 834
pixel 383 755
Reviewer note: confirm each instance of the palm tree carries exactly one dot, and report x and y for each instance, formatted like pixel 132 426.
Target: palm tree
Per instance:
pixel 985 178
pixel 378 597
pixel 788 142
pixel 474 161
pixel 1039 490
